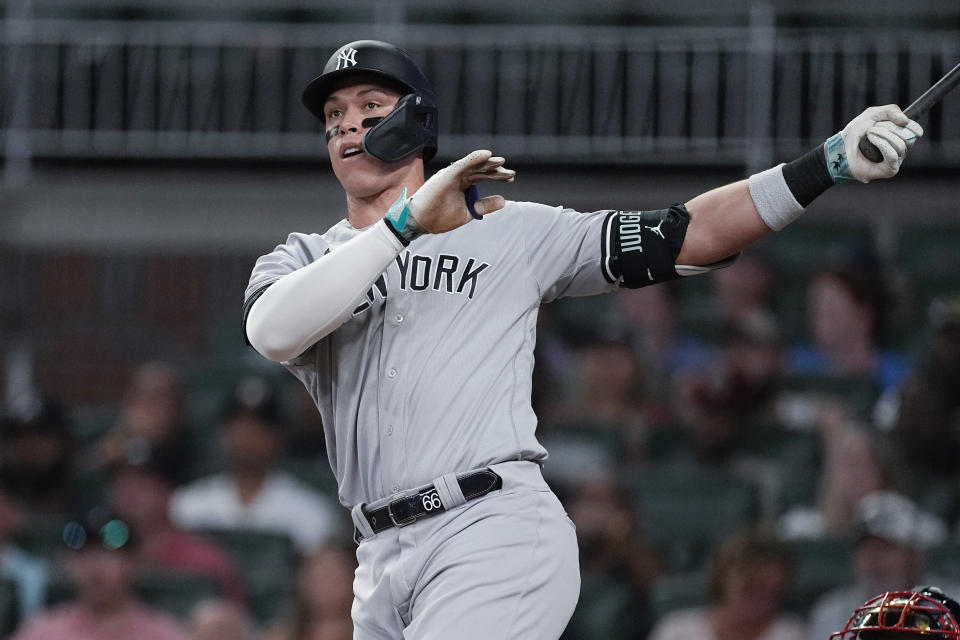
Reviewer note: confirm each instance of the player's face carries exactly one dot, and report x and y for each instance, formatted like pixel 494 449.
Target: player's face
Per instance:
pixel 350 103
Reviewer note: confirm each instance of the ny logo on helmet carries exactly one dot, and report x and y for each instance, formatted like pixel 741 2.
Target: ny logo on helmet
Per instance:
pixel 347 58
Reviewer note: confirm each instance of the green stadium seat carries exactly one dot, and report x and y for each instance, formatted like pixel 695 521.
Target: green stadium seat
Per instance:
pixel 818 565
pixel 267 562
pixel 176 593
pixel 684 510
pixel 9 607
pixel 944 560
pixel 860 393
pixel 678 591
pixel 606 609
pixel 42 535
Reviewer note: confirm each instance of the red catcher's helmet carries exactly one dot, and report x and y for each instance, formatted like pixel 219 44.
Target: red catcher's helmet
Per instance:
pixel 927 613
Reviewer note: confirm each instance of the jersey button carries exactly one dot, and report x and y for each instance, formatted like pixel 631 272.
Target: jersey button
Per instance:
pixel 398 318
pixel 390 431
pixel 392 373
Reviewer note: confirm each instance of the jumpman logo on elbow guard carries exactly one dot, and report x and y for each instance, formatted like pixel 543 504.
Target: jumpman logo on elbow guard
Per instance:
pixel 656 229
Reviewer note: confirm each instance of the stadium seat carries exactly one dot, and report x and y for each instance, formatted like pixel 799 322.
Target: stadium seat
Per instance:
pixel 574 448
pixel 266 561
pixel 606 609
pixel 818 565
pixel 9 607
pixel 684 509
pixel 678 591
pixel 859 393
pixel 175 592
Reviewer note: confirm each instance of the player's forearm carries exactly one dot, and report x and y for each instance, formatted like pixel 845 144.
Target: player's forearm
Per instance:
pixel 304 306
pixel 723 221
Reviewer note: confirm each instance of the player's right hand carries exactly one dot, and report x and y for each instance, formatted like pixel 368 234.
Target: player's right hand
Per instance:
pixel 439 205
pixel 888 128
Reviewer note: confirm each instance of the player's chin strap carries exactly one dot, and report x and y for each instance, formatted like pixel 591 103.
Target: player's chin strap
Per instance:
pixel 640 248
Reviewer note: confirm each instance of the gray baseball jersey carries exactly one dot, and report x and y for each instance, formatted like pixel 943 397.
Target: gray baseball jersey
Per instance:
pixel 432 372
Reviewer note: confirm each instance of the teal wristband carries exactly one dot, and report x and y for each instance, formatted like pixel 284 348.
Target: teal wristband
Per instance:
pixel 836 157
pixel 399 220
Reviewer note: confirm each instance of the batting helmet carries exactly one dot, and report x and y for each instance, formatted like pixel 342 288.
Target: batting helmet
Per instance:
pixel 925 613
pixel 411 126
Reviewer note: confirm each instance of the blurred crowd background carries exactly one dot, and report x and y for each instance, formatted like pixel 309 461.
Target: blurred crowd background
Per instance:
pixel 746 454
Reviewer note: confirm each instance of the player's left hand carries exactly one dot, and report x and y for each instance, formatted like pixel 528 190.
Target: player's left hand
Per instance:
pixel 888 128
pixel 439 205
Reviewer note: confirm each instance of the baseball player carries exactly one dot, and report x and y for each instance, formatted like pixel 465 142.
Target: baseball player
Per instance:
pixel 412 322
pixel 925 612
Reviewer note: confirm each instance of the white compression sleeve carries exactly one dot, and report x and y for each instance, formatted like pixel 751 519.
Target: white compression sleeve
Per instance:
pixel 309 303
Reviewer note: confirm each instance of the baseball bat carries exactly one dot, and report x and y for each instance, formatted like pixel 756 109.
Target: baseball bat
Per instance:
pixel 920 106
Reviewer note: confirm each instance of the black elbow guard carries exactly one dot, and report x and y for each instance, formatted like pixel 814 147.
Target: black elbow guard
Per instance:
pixel 641 247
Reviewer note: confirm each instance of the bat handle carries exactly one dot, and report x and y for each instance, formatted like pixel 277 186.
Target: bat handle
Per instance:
pixel 919 107
pixel 869 150
pixel 915 110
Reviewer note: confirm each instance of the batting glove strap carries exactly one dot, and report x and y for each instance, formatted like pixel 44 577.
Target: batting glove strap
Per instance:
pixel 838 168
pixel 400 222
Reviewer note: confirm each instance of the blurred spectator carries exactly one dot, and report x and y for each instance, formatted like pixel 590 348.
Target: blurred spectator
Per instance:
pixel 220 620
pixel 890 537
pixel 152 424
pixel 324 595
pixel 28 572
pixel 603 420
pixel 141 495
pixel 36 459
pixel 610 386
pixel 846 306
pixel 101 565
pixel 612 556
pixel 253 493
pixel 744 289
pixel 749 577
pixel 653 316
pixel 720 402
pixel 856 462
pixel 927 429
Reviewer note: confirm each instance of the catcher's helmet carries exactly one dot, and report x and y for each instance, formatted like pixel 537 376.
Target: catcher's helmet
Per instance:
pixel 411 126
pixel 925 613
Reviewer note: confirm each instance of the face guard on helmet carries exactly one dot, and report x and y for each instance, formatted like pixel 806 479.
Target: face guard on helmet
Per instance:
pixel 411 126
pixel 927 614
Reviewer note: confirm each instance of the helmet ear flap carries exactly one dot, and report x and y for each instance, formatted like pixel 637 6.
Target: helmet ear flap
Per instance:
pixel 398 134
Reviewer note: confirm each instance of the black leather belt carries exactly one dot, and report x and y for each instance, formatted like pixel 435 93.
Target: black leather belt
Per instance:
pixel 426 502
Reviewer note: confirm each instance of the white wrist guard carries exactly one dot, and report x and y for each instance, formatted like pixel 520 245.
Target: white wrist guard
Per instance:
pixel 773 198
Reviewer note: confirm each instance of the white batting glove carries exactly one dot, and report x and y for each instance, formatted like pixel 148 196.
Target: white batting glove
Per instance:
pixel 888 128
pixel 439 205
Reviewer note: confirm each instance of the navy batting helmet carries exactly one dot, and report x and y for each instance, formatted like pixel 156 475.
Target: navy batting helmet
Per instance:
pixel 411 126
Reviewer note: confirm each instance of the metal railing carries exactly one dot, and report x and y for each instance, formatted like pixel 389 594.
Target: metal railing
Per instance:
pixel 729 96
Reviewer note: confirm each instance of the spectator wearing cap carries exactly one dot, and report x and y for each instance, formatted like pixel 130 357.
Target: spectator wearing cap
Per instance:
pixel 141 494
pixel 890 536
pixel 253 492
pixel 101 565
pixel 36 456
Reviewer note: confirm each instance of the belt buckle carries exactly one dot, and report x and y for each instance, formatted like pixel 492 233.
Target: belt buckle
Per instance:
pixel 403 521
